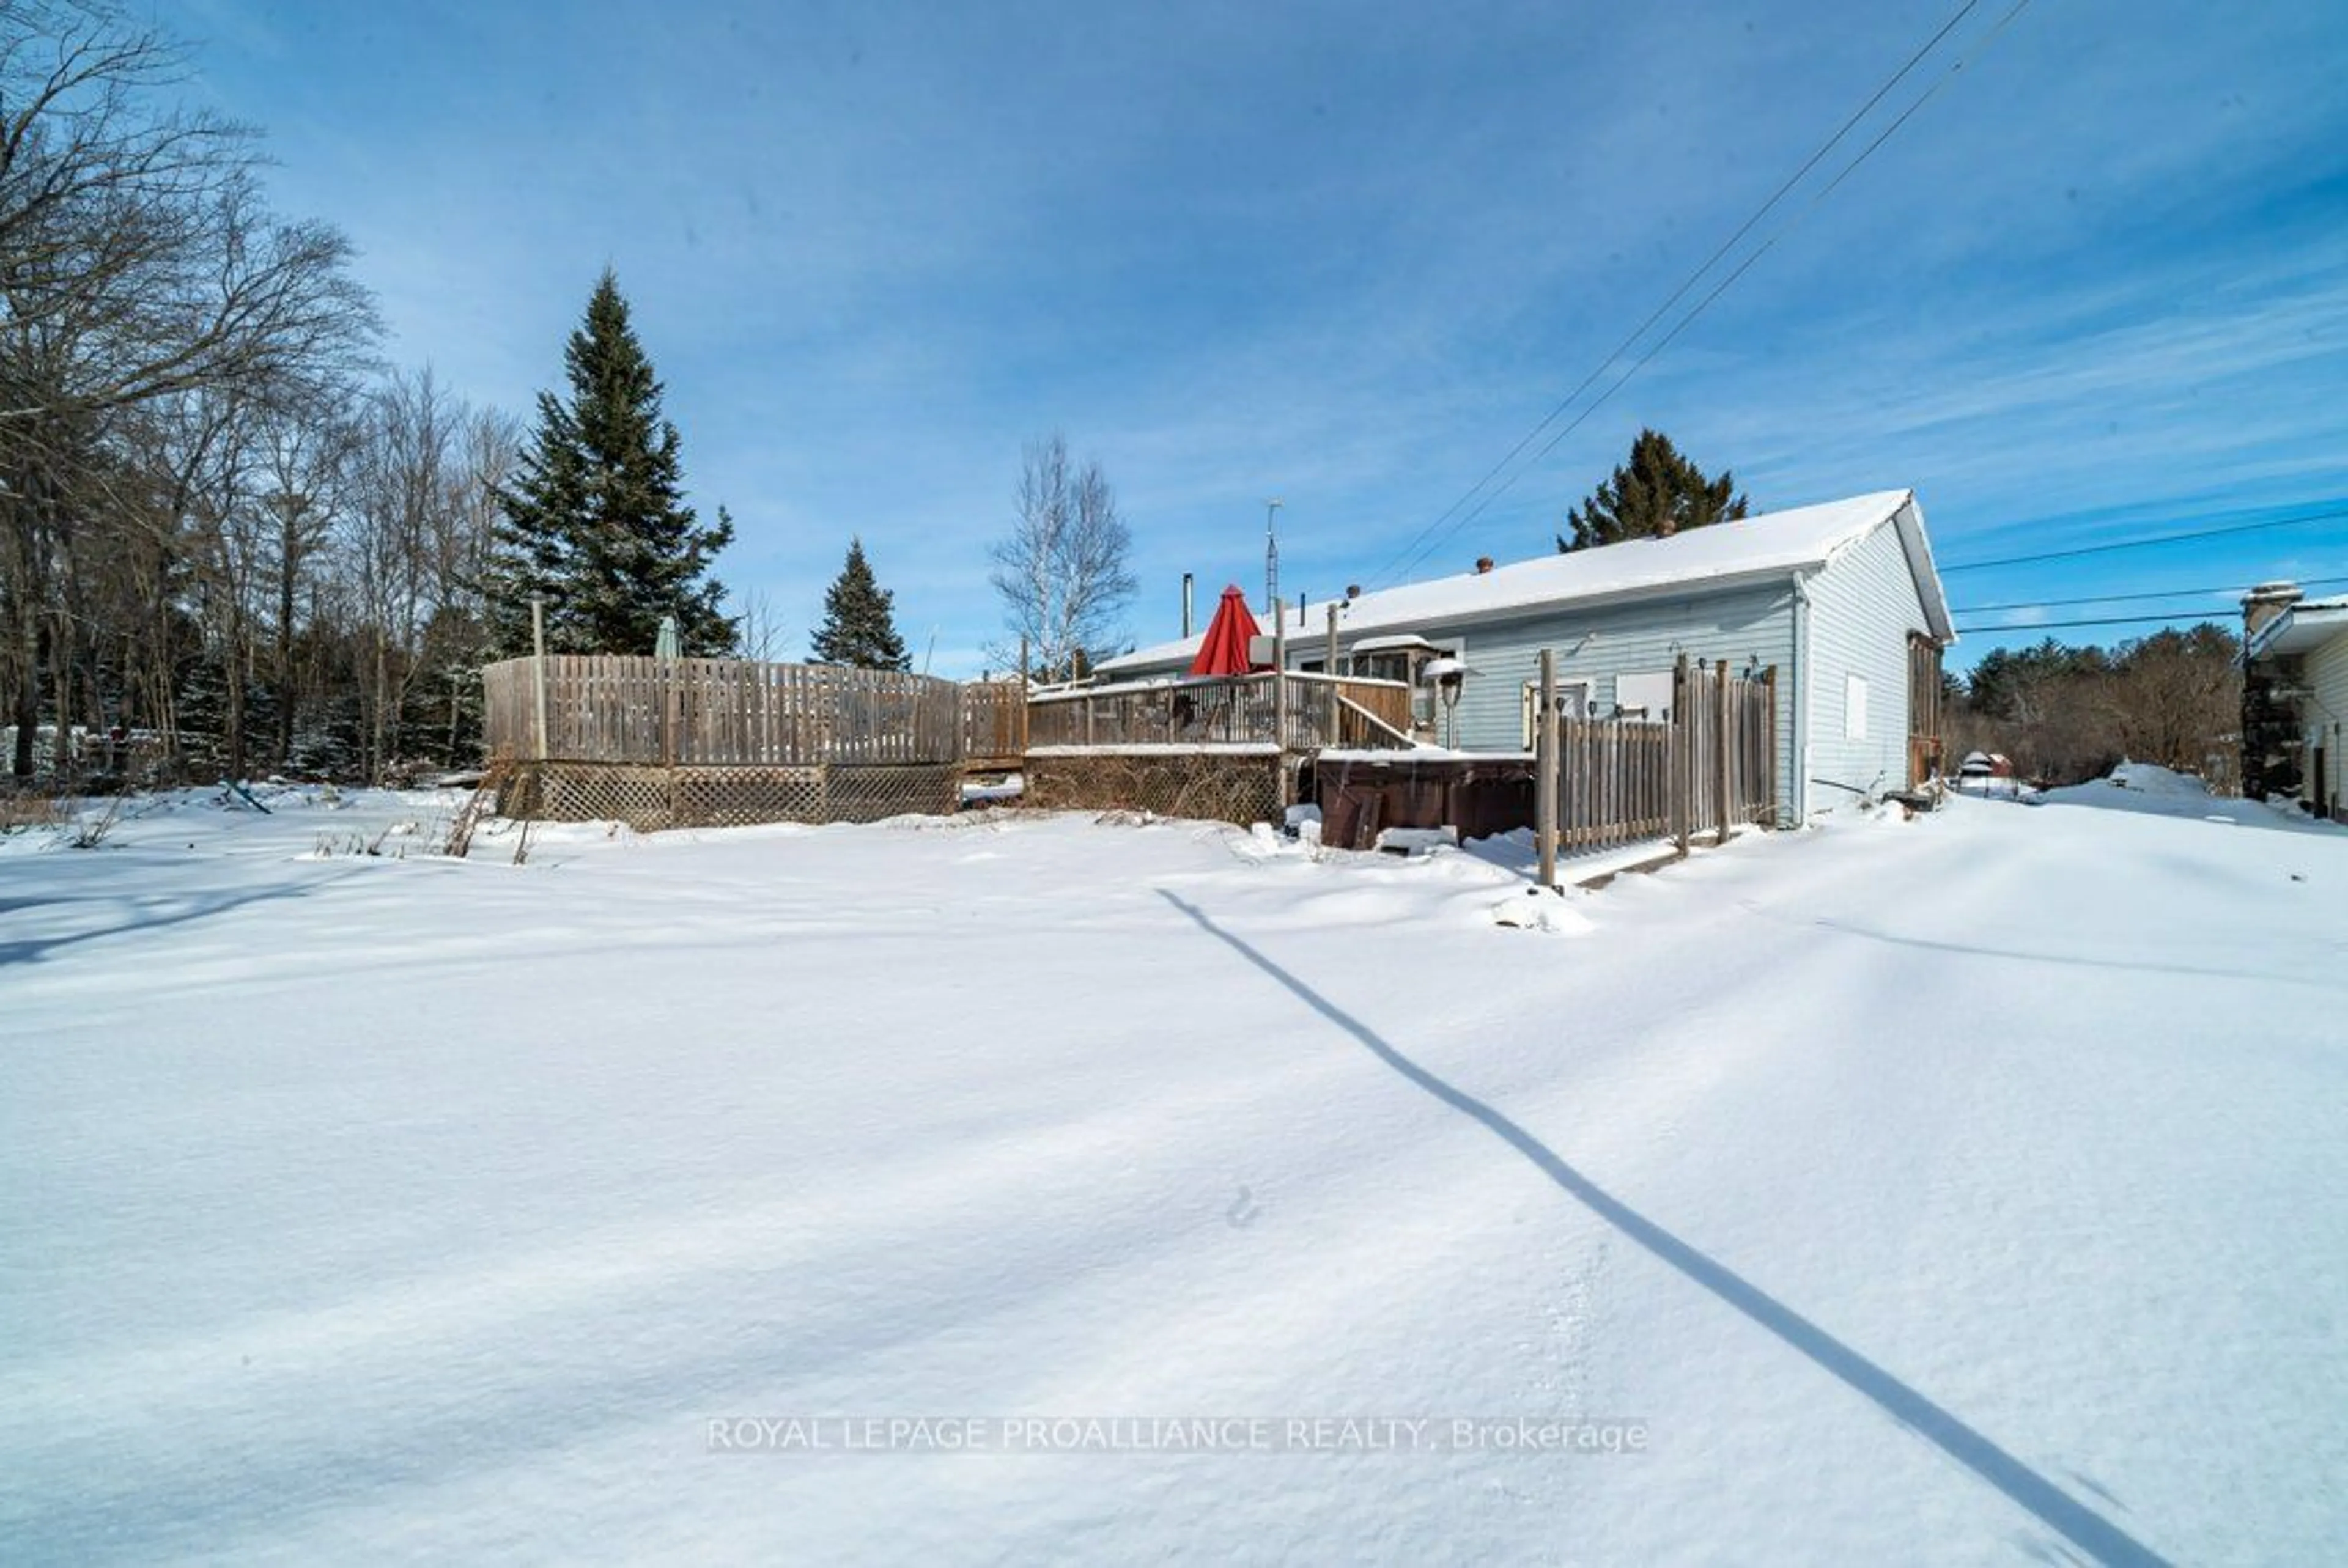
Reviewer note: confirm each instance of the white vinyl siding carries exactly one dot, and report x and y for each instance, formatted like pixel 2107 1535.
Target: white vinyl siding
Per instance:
pixel 1749 626
pixel 2325 671
pixel 1863 605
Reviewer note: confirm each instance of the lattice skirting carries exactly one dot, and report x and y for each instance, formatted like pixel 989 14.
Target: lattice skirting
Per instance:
pixel 1214 786
pixel 649 798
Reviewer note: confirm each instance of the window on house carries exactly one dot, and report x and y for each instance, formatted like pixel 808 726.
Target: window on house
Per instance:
pixel 1854 707
pixel 1572 703
pixel 1644 694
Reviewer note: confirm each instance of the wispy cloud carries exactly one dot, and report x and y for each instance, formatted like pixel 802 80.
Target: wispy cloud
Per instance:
pixel 1340 256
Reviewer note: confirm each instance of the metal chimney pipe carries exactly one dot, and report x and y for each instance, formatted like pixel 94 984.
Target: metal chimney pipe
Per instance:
pixel 1186 604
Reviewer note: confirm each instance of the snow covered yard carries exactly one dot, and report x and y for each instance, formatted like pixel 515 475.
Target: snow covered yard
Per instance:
pixel 1958 1191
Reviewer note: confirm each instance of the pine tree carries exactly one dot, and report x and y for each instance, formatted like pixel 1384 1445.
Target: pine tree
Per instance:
pixel 859 623
pixel 1657 493
pixel 594 517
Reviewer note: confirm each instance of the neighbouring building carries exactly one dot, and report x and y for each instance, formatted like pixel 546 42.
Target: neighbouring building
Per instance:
pixel 2294 697
pixel 1841 601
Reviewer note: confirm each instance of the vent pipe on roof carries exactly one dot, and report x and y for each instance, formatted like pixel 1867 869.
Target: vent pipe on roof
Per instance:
pixel 1186 604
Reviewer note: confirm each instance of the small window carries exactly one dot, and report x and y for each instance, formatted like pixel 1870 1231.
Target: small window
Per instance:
pixel 1572 703
pixel 1854 708
pixel 1645 694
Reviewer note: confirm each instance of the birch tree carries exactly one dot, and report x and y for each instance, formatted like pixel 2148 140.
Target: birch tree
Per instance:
pixel 1063 571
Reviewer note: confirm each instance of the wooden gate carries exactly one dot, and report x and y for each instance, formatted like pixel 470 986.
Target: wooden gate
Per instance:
pixel 1709 769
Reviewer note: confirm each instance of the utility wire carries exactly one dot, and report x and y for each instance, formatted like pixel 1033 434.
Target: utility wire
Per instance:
pixel 2148 544
pixel 2127 598
pixel 1403 558
pixel 2059 625
pixel 1722 287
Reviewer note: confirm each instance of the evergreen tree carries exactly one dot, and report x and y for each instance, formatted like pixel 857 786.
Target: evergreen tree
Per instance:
pixel 594 519
pixel 1657 493
pixel 859 623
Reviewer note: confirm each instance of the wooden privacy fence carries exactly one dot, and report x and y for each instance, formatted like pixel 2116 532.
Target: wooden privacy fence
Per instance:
pixel 994 722
pixel 720 712
pixel 1708 769
pixel 1296 712
pixel 674 743
pixel 1615 779
pixel 1727 726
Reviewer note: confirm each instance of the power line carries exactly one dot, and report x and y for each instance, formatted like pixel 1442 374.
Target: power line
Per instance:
pixel 2059 625
pixel 1403 558
pixel 2147 543
pixel 1722 287
pixel 2128 598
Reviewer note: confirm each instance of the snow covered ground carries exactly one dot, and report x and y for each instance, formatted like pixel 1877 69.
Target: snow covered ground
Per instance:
pixel 1963 1190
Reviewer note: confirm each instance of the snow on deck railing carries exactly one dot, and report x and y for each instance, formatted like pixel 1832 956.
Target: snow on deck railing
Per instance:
pixel 1161 682
pixel 1302 713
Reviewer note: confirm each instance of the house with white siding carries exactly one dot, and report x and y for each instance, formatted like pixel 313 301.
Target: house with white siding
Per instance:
pixel 1841 601
pixel 2295 698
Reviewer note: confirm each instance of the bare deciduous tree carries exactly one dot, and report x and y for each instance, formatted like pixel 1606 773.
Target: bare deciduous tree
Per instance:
pixel 760 633
pixel 138 267
pixel 1062 572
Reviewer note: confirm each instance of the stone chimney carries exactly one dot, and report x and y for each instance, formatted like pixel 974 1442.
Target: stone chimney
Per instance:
pixel 1483 565
pixel 2272 743
pixel 2266 602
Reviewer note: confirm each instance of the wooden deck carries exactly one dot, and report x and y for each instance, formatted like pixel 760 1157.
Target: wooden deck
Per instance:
pixel 1294 713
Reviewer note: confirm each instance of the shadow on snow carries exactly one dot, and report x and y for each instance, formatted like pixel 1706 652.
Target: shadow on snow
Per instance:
pixel 2082 1526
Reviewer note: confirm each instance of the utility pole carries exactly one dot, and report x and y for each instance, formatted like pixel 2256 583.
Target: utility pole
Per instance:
pixel 1271 558
pixel 1545 770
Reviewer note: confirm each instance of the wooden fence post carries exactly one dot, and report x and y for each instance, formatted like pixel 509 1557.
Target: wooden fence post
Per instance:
pixel 1544 768
pixel 538 665
pixel 1280 698
pixel 1329 736
pixel 1726 765
pixel 672 704
pixel 1681 763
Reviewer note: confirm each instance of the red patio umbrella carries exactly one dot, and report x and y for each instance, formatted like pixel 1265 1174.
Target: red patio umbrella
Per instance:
pixel 1225 648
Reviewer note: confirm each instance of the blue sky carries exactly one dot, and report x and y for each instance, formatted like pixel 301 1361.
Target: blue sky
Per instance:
pixel 2097 288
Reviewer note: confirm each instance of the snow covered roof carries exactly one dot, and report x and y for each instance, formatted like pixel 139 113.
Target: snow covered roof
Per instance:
pixel 1777 544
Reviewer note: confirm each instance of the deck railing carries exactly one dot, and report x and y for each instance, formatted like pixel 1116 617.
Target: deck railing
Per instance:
pixel 1293 712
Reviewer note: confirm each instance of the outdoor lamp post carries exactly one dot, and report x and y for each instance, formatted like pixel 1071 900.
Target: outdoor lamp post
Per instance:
pixel 1447 676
